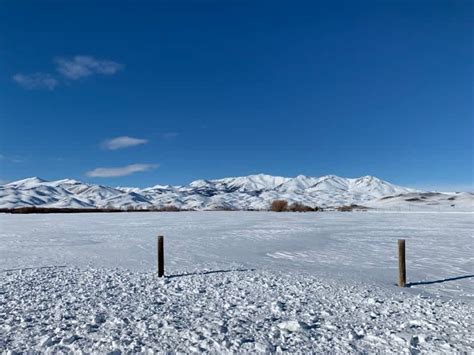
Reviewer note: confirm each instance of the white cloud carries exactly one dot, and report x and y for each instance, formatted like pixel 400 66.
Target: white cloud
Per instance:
pixel 122 142
pixel 120 171
pixel 36 81
pixel 81 66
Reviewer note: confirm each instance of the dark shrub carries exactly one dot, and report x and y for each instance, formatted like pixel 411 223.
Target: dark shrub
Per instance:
pixel 279 206
pixel 299 207
pixel 351 208
pixel 169 208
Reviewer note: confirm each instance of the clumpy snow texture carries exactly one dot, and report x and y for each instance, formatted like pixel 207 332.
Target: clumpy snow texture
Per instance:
pixel 103 310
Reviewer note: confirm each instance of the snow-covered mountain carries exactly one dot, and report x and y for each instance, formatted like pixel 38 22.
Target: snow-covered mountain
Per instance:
pixel 254 192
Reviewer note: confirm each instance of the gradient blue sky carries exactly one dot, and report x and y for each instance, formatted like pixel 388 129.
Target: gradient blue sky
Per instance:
pixel 224 88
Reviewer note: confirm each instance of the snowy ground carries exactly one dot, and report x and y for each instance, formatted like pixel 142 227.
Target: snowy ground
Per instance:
pixel 314 281
pixel 101 311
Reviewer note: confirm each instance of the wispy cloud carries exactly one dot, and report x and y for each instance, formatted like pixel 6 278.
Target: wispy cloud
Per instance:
pixel 36 81
pixel 121 171
pixel 74 68
pixel 12 159
pixel 81 66
pixel 122 142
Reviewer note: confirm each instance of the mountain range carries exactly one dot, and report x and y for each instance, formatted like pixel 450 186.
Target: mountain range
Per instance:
pixel 253 192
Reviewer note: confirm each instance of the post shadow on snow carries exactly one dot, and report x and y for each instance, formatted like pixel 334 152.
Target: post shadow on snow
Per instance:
pixel 439 281
pixel 207 272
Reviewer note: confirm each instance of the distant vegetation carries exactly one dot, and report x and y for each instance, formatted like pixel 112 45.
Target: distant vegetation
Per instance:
pixel 351 208
pixel 284 206
pixel 33 209
pixel 279 206
pixel 276 206
pixel 299 207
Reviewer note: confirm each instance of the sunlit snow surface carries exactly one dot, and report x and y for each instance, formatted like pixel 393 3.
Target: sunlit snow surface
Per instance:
pixel 360 245
pixel 313 281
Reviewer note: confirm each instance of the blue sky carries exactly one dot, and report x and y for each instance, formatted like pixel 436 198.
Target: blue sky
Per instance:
pixel 146 92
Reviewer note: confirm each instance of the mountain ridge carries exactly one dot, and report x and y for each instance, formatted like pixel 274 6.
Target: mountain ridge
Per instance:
pixel 252 192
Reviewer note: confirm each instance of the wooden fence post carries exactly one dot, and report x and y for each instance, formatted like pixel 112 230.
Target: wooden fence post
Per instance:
pixel 402 272
pixel 161 257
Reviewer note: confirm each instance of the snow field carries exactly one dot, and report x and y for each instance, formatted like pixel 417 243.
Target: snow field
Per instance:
pixel 239 281
pixel 349 246
pixel 104 310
